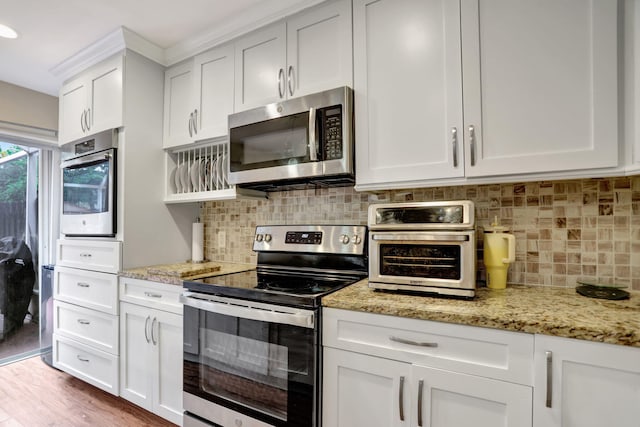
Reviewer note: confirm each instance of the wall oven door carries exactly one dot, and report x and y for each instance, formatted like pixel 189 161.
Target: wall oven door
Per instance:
pixel 255 359
pixel 88 195
pixel 428 261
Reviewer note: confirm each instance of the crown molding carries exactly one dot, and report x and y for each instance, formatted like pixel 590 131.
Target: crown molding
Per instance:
pixel 253 19
pixel 118 40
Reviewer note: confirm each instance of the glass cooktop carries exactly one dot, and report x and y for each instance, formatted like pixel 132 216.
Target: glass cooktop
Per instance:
pixel 282 288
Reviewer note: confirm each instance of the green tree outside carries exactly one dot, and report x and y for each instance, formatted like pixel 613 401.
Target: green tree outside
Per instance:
pixel 13 176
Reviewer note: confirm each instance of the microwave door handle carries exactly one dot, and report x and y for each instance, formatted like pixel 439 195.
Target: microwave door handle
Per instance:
pixel 313 143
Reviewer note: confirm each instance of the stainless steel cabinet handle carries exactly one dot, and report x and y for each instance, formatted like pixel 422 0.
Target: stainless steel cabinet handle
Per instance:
pixel 153 295
pixel 549 356
pixel 83 284
pixel 87 119
pixel 82 359
pixel 85 255
pixel 290 79
pixel 82 121
pixel 313 149
pixel 146 327
pixel 401 399
pixel 153 337
pixel 190 125
pixel 281 83
pixel 472 144
pixel 454 142
pixel 416 343
pixel 84 322
pixel 195 121
pixel 420 387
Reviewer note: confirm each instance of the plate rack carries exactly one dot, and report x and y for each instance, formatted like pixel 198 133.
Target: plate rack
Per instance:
pixel 200 173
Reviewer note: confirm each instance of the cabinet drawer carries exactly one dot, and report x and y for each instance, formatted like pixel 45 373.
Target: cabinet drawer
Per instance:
pixel 90 255
pixel 466 349
pixel 156 295
pixel 90 289
pixel 93 366
pixel 89 327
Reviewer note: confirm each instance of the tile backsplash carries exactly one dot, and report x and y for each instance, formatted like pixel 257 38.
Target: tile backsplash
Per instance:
pixel 565 230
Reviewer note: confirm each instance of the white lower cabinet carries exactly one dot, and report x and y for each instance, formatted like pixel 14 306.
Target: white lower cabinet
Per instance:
pixel 420 373
pixel 151 357
pixel 585 384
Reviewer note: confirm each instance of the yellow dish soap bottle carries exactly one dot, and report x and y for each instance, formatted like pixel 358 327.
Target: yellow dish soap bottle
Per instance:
pixel 499 251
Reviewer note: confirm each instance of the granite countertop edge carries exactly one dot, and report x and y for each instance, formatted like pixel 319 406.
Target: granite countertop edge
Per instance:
pixel 543 310
pixel 171 274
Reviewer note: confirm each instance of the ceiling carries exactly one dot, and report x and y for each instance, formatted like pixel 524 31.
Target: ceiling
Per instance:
pixel 52 31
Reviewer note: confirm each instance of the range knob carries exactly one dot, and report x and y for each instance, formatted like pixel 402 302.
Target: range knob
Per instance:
pixel 259 237
pixel 344 239
pixel 267 238
pixel 357 239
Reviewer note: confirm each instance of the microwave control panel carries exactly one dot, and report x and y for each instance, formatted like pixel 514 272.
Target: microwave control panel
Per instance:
pixel 332 132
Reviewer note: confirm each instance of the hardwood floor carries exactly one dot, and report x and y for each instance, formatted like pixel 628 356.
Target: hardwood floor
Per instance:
pixel 33 394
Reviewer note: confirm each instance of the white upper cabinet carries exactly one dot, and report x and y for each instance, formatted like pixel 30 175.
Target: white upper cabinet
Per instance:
pixel 408 90
pixel 540 85
pixel 199 95
pixel 536 83
pixel 92 102
pixel 308 53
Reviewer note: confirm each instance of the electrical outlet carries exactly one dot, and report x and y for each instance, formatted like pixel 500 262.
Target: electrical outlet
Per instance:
pixel 222 239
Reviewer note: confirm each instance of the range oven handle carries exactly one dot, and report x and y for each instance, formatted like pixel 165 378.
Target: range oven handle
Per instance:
pixel 249 309
pixel 421 237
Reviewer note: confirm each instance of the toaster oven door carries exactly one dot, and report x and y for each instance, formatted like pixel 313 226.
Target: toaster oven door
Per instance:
pixel 422 261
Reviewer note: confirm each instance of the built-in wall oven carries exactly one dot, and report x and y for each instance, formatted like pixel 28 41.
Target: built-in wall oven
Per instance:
pixel 252 339
pixel 89 186
pixel 425 247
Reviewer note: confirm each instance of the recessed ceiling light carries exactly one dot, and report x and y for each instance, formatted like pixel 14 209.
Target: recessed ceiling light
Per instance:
pixel 7 32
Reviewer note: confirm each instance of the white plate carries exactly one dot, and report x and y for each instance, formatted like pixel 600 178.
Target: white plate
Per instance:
pixel 223 171
pixel 176 179
pixel 172 181
pixel 214 174
pixel 194 174
pixel 184 178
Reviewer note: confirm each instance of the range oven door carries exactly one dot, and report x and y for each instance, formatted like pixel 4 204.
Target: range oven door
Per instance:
pixel 88 195
pixel 423 260
pixel 255 359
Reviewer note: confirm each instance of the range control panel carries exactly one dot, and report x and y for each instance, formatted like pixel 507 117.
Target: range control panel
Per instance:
pixel 339 239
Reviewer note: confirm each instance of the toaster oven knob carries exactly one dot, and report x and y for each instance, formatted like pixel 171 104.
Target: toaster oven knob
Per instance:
pixel 344 239
pixel 267 238
pixel 356 239
pixel 259 237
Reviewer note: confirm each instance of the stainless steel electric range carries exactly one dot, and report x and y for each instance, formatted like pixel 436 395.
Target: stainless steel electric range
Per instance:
pixel 252 351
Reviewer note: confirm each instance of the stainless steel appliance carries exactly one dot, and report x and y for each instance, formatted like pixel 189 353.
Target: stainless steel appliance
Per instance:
pixel 427 247
pixel 293 143
pixel 46 314
pixel 89 186
pixel 252 339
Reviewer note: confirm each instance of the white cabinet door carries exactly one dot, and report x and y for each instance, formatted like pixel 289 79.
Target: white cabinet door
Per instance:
pixel 213 73
pixel 72 105
pixel 260 67
pixel 166 337
pixel 540 85
pixel 319 49
pixel 585 384
pixel 136 363
pixel 106 88
pixel 359 390
pixel 408 91
pixel 178 105
pixel 448 399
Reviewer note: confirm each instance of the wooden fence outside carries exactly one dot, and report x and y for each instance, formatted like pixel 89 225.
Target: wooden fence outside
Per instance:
pixel 12 219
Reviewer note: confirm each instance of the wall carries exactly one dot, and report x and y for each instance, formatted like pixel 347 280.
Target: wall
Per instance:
pixel 26 107
pixel 565 230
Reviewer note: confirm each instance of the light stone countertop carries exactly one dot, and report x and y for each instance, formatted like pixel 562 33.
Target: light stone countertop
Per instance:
pixel 174 274
pixel 534 309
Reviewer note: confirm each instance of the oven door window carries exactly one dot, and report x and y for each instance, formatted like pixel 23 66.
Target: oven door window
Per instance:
pixel 263 369
pixel 276 142
pixel 432 261
pixel 86 188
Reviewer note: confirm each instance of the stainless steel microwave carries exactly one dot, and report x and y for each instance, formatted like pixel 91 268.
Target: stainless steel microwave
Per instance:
pixel 293 143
